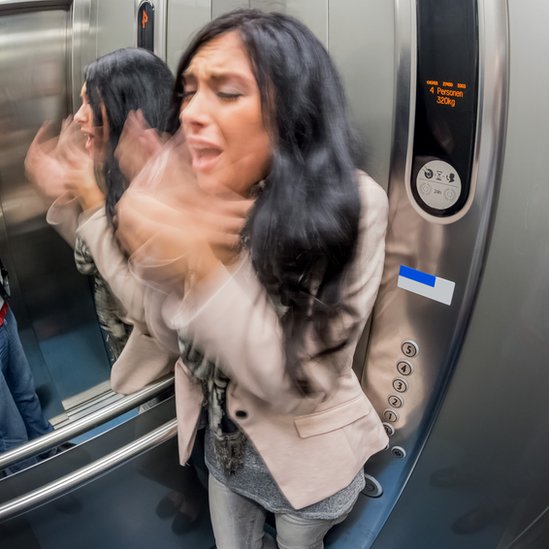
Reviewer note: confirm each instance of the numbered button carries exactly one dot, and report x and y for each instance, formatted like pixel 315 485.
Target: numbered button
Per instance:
pixel 389 429
pixel 372 487
pixel 398 452
pixel 390 415
pixel 395 401
pixel 409 348
pixel 404 367
pixel 399 385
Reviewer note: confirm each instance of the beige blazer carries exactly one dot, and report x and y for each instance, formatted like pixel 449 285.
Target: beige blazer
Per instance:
pixel 313 447
pixel 146 357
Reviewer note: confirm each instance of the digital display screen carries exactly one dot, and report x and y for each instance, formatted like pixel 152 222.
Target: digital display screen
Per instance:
pixel 446 93
pixel 446 102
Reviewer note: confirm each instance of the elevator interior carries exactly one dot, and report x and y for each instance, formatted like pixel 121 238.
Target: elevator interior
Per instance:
pixel 465 466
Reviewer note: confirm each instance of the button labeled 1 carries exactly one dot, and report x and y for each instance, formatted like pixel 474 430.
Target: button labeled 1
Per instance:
pixel 390 415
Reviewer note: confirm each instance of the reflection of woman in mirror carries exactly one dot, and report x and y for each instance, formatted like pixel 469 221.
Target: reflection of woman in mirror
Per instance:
pixel 268 321
pixel 87 182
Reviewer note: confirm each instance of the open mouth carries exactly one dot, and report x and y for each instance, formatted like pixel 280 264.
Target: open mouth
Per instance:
pixel 89 144
pixel 204 158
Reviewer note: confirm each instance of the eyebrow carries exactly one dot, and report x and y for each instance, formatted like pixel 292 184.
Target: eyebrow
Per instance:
pixel 217 77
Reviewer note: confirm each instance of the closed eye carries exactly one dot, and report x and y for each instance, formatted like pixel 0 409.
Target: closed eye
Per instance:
pixel 187 95
pixel 228 96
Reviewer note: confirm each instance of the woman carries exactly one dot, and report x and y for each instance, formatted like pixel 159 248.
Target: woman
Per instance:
pixel 87 182
pixel 268 327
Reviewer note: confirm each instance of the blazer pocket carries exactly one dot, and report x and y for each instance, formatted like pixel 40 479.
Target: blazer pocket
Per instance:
pixel 332 419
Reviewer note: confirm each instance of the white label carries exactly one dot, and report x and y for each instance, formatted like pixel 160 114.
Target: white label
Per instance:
pixel 438 184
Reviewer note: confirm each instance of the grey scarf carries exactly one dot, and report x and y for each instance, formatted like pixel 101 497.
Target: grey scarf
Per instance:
pixel 229 440
pixel 116 331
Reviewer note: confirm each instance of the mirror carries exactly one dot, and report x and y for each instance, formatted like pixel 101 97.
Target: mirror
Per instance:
pixel 51 301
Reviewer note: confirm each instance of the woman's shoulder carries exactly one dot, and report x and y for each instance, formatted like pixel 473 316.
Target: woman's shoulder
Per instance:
pixel 373 201
pixel 370 191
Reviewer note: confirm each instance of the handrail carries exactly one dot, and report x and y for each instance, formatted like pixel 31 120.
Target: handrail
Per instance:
pixel 63 485
pixel 82 425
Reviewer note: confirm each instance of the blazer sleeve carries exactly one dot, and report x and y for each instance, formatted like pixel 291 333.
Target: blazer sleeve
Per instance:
pixel 141 303
pixel 232 319
pixel 112 264
pixel 63 215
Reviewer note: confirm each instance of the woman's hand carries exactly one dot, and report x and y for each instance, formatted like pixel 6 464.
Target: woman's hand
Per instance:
pixel 137 145
pixel 43 165
pixel 60 165
pixel 174 231
pixel 79 175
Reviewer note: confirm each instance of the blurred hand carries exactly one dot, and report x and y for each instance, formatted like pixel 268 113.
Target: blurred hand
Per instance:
pixel 137 145
pixel 43 164
pixel 80 180
pixel 60 165
pixel 174 231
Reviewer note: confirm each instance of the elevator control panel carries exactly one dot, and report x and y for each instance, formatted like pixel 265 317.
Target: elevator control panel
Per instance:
pixel 446 106
pixel 430 259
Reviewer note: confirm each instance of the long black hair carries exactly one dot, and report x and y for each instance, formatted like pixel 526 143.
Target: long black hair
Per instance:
pixel 303 229
pixel 127 80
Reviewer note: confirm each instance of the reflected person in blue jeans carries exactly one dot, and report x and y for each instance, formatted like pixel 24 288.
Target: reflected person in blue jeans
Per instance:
pixel 21 416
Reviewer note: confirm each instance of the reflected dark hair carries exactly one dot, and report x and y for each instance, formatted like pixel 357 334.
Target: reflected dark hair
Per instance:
pixel 303 229
pixel 127 80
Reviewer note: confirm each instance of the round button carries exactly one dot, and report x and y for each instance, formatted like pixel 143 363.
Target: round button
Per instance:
pixel 241 414
pixel 404 367
pixel 398 452
pixel 389 429
pixel 372 488
pixel 409 348
pixel 438 184
pixel 390 415
pixel 449 194
pixel 394 401
pixel 399 385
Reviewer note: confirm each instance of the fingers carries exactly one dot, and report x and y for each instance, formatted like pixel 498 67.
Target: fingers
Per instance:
pixel 41 142
pixel 66 122
pixel 137 145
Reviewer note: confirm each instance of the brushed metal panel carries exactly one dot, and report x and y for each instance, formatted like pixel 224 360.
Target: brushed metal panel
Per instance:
pixel 314 13
pixel 185 18
pixel 223 6
pixel 115 26
pixel 362 43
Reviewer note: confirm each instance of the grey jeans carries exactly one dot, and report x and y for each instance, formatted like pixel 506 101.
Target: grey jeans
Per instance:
pixel 238 523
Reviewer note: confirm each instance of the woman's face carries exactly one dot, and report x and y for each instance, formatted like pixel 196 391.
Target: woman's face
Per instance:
pixel 221 118
pixel 96 136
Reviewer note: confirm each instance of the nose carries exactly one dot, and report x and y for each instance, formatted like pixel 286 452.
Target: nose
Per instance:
pixel 82 115
pixel 195 113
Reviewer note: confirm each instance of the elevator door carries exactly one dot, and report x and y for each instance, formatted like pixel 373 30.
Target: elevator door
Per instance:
pixel 51 300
